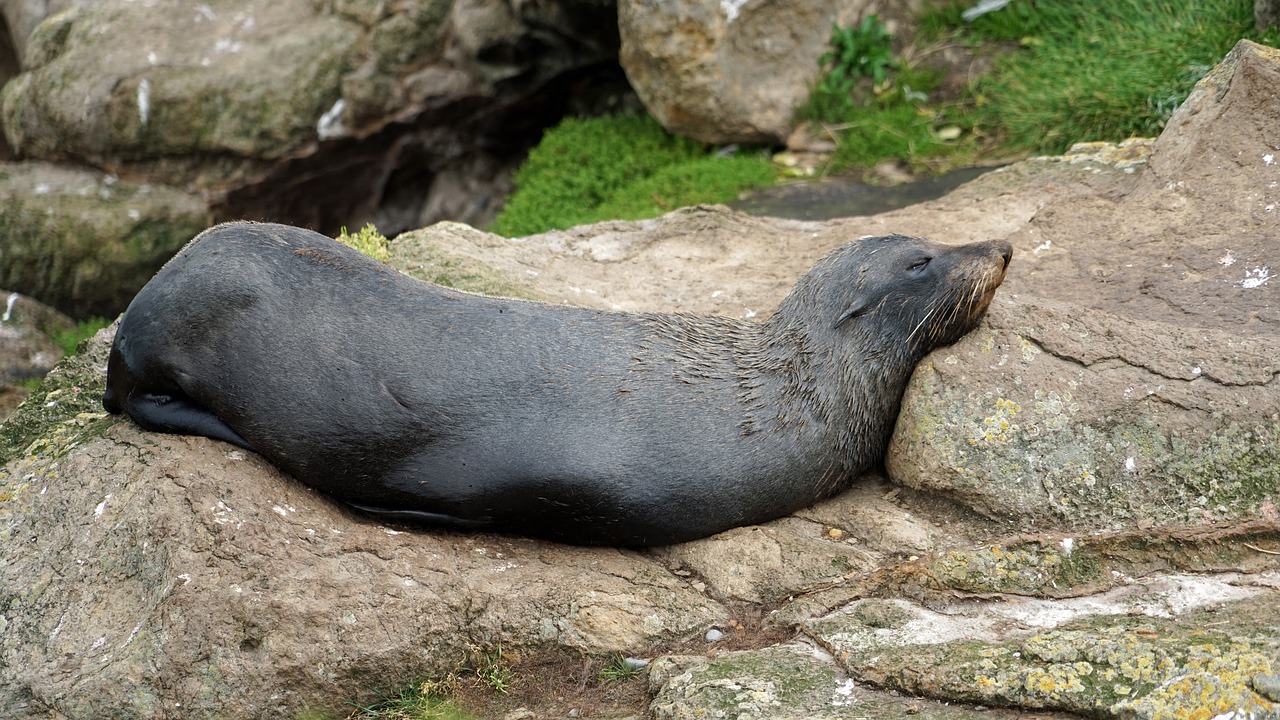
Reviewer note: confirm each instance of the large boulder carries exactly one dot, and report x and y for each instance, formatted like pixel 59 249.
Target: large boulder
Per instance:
pixel 316 113
pixel 731 71
pixel 322 114
pixel 84 241
pixel 175 90
pixel 1127 374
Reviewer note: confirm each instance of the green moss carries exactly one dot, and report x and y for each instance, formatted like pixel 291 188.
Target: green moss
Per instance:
pixel 64 411
pixel 881 614
pixel 437 266
pixel 709 179
pixel 619 167
pixel 1103 666
pixel 368 241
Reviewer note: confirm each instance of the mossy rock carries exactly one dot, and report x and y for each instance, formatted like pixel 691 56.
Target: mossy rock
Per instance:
pixel 85 242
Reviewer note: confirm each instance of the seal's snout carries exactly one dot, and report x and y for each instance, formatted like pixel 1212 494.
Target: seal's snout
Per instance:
pixel 1006 252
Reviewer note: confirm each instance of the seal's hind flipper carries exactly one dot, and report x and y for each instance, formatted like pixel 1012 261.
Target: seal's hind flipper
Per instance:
pixel 181 416
pixel 423 517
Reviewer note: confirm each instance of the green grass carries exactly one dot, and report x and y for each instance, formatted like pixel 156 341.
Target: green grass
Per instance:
pixel 707 179
pixel 420 701
pixel 618 670
pixel 1099 71
pixel 69 340
pixel 1073 71
pixel 619 167
pixel 901 131
pixel 877 108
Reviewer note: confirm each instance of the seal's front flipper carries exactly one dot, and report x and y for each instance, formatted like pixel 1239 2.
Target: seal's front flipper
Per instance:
pixel 425 518
pixel 181 416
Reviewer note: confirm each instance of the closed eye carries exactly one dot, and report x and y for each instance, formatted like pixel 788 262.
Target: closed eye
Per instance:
pixel 919 265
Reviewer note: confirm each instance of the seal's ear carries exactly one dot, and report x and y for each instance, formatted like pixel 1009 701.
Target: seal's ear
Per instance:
pixel 854 310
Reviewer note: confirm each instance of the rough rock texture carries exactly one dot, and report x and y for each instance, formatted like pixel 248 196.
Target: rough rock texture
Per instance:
pixel 1128 373
pixel 83 241
pixel 724 71
pixel 215 584
pixel 322 114
pixel 22 18
pixel 186 97
pixel 26 349
pixel 319 113
pixel 796 681
pixel 138 570
pixel 1139 651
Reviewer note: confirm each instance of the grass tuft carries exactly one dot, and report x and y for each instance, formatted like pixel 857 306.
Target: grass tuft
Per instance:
pixel 425 700
pixel 368 241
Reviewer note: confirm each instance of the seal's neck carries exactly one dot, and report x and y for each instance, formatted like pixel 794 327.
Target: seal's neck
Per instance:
pixel 853 376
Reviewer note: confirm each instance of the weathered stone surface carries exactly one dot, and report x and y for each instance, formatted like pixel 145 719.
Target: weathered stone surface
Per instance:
pixel 83 241
pixel 795 681
pixel 143 572
pixel 729 71
pixel 23 17
pixel 764 564
pixel 1150 649
pixel 318 113
pixel 1128 372
pixel 26 349
pixel 1121 278
pixel 187 92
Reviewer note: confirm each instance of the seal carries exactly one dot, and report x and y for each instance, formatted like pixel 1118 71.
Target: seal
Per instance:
pixel 584 426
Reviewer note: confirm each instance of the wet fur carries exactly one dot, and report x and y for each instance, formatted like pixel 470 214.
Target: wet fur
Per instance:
pixel 578 425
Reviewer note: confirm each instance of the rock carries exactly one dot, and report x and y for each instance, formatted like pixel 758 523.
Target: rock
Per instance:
pixel 766 564
pixel 182 560
pixel 788 682
pixel 1266 13
pixel 138 570
pixel 26 349
pixel 733 71
pixel 23 17
pixel 321 113
pixel 1126 372
pixel 200 95
pixel 1139 651
pixel 85 242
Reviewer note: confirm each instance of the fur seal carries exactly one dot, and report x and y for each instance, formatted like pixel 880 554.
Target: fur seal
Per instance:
pixel 583 426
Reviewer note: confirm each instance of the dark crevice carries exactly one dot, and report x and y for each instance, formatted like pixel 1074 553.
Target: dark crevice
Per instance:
pixel 466 149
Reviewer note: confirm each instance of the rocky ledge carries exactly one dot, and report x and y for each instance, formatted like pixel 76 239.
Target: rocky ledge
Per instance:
pixel 1079 514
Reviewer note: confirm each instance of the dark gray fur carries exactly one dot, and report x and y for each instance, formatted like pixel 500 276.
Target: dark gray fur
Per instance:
pixel 578 425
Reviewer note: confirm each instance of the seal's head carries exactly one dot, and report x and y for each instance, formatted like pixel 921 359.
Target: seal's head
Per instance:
pixel 902 296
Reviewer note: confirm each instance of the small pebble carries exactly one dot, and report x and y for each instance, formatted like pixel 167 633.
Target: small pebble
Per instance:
pixel 835 533
pixel 714 635
pixel 635 663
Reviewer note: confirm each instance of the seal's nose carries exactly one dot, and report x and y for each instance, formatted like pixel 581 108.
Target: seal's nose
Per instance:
pixel 1006 252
